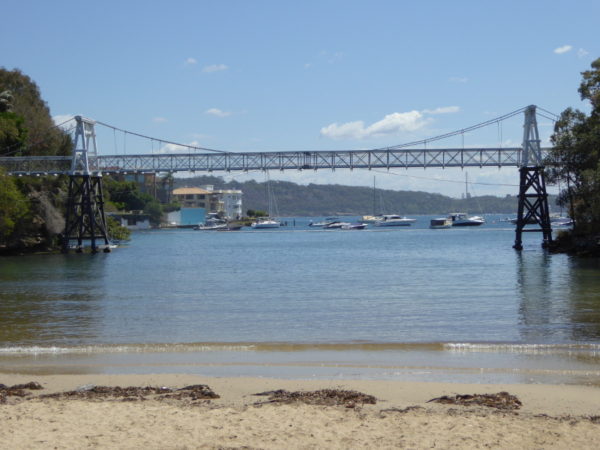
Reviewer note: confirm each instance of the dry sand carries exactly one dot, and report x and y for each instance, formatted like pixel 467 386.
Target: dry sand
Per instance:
pixel 564 417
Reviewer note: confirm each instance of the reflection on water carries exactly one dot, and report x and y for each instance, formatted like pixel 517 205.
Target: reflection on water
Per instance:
pixel 404 303
pixel 559 298
pixel 52 298
pixel 585 299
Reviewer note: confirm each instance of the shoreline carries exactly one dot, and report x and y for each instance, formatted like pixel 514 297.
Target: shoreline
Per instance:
pixel 551 416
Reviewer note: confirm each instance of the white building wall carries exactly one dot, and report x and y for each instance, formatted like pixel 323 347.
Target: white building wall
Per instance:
pixel 232 203
pixel 174 217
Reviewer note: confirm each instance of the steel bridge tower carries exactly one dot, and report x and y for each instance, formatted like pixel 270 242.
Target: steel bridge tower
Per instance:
pixel 533 199
pixel 85 217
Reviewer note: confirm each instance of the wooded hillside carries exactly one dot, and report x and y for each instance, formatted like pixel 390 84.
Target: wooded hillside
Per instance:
pixel 322 200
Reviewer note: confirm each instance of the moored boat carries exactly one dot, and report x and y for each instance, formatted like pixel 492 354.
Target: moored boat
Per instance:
pixel 394 220
pixel 264 223
pixel 371 219
pixel 214 227
pixel 336 224
pixel 231 227
pixel 213 222
pixel 324 222
pixel 463 220
pixel 441 222
pixel 354 226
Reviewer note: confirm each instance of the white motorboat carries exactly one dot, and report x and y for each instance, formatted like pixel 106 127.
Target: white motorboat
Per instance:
pixel 441 222
pixel 264 223
pixel 327 221
pixel 212 222
pixel 354 226
pixel 336 224
pixel 561 222
pixel 463 220
pixel 214 227
pixel 394 220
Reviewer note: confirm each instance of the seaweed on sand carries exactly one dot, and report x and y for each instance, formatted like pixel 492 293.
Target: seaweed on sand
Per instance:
pixel 328 397
pixel 134 393
pixel 501 400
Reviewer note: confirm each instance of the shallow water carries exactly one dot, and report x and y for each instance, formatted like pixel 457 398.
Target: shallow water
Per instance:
pixel 406 303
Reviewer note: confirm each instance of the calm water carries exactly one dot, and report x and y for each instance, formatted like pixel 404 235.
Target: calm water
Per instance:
pixel 407 303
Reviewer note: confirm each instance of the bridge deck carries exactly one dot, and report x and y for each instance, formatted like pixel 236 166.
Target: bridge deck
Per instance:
pixel 293 160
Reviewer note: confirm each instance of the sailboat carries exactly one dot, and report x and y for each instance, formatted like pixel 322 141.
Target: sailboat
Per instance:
pixel 385 220
pixel 268 222
pixel 375 217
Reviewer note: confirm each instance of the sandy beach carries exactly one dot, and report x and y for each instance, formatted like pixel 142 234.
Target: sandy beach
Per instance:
pixel 550 416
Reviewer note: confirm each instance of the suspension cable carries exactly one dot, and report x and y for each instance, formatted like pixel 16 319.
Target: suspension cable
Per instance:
pixel 455 133
pixel 191 147
pixel 548 112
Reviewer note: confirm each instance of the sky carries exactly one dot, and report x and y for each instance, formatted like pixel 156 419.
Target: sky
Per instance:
pixel 311 75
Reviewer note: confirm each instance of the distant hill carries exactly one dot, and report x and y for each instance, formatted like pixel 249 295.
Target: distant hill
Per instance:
pixel 326 199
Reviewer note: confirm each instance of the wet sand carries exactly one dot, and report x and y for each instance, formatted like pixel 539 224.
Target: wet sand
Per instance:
pixel 551 416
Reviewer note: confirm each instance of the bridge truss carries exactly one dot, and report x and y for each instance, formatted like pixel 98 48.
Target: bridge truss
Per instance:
pixel 243 162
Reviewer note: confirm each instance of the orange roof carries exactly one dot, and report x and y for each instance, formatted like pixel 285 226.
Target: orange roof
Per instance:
pixel 190 190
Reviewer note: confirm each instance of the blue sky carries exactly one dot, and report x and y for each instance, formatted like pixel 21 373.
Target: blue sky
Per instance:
pixel 276 75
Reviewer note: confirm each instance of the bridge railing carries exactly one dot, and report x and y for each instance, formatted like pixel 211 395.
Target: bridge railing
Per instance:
pixel 298 160
pixel 36 165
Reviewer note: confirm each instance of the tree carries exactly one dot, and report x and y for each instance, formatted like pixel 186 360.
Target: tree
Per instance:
pixel 575 157
pixel 43 137
pixel 13 207
pixel 29 206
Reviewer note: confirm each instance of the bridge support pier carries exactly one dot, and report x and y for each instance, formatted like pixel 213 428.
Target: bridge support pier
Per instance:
pixel 533 199
pixel 85 217
pixel 533 206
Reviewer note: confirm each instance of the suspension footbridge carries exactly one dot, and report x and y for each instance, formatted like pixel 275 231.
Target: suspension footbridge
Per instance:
pixel 85 167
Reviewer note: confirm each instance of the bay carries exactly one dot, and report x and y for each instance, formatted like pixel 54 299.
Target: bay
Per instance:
pixel 408 303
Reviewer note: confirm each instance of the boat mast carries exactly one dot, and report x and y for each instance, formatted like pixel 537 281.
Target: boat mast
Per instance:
pixel 374 197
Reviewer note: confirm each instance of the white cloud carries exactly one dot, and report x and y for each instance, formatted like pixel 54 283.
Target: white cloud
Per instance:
pixel 582 53
pixel 217 112
pixel 190 61
pixel 391 124
pixel 563 49
pixel 214 68
pixel 459 79
pixel 173 148
pixel 307 65
pixel 159 120
pixel 443 110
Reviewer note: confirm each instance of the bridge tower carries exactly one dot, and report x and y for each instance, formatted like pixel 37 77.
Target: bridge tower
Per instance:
pixel 533 199
pixel 85 217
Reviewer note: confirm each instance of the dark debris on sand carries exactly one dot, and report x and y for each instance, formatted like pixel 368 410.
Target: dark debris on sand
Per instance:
pixel 135 393
pixel 328 397
pixel 501 400
pixel 17 390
